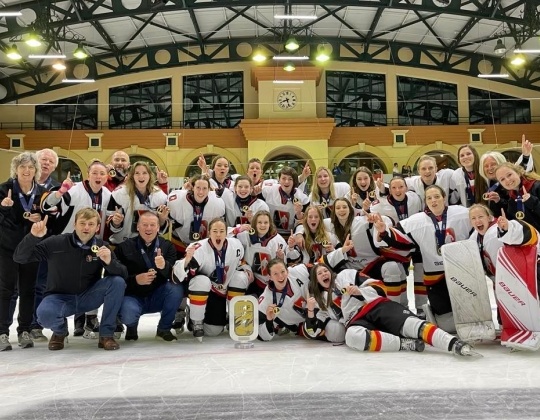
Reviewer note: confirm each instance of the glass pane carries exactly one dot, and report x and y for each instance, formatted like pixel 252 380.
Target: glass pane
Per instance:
pixel 74 113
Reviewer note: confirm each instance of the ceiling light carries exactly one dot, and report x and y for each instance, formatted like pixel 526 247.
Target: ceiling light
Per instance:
pixel 291 57
pixel 78 80
pixel 259 56
pixel 520 50
pixel 289 67
pixel 518 60
pixel 33 39
pixel 2 14
pixel 59 65
pixel 13 53
pixel 80 52
pixel 46 56
pixel 494 76
pixel 500 48
pixel 299 17
pixel 292 44
pixel 322 54
pixel 296 82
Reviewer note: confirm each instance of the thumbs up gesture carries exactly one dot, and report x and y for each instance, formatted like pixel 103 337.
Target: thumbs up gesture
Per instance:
pixel 117 217
pixel 159 260
pixel 7 201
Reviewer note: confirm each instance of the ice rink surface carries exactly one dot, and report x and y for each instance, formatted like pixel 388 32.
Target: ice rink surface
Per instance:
pixel 287 378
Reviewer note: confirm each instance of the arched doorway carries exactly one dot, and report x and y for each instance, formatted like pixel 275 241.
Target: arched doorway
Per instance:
pixel 193 169
pixel 354 161
pixel 272 167
pixel 66 165
pixel 142 158
pixel 444 160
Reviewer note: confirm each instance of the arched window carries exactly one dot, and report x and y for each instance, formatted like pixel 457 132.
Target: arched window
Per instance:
pixel 193 169
pixel 141 158
pixel 272 167
pixel 354 161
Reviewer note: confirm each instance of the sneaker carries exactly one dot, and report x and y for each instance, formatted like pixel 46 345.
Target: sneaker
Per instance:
pixel 131 333
pixel 180 320
pixel 461 348
pixel 25 341
pixel 198 330
pixel 412 344
pixel 166 335
pixel 108 343
pixel 37 335
pixel 4 343
pixel 91 327
pixel 56 342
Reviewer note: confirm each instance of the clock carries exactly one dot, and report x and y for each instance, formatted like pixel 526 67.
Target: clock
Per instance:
pixel 286 99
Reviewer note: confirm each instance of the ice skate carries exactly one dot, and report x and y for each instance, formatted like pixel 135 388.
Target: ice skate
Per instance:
pixel 180 320
pixel 412 344
pixel 91 328
pixel 4 343
pixel 198 330
pixel 461 348
pixel 25 341
pixel 37 335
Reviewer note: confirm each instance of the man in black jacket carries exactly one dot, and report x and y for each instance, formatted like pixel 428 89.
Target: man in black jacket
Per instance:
pixel 74 283
pixel 149 260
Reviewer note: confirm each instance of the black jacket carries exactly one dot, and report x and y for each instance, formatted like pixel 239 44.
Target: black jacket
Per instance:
pixel 13 226
pixel 129 254
pixel 72 269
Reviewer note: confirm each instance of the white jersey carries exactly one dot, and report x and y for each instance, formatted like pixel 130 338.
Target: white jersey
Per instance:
pixel 464 188
pixel 204 262
pixel 120 199
pixel 443 179
pixel 397 210
pixel 354 307
pixel 341 189
pixel 258 253
pixel 236 209
pixel 291 302
pixel 418 232
pixel 282 207
pixel 302 255
pixel 78 197
pixel 182 211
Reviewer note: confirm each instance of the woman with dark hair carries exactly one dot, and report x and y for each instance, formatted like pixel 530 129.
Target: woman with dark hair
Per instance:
pixel 469 186
pixel 523 192
pixel 362 190
pixel 20 196
pixel 138 194
pixel 261 244
pixel 427 232
pixel 241 205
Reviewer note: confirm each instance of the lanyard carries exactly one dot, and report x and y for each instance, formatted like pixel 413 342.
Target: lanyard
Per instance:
pixel 469 190
pixel 48 183
pixel 440 233
pixel 402 209
pixel 198 210
pixel 144 200
pixel 520 213
pixel 219 257
pixel 151 265
pixel 284 293
pixel 96 198
pixel 26 202
pixel 244 203
pixel 78 242
pixel 286 197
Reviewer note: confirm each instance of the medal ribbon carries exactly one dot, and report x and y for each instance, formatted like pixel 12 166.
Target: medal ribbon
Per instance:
pixel 80 244
pixel 402 209
pixel 140 246
pixel 440 233
pixel 219 257
pixel 286 197
pixel 469 190
pixel 96 198
pixel 26 202
pixel 284 293
pixel 198 210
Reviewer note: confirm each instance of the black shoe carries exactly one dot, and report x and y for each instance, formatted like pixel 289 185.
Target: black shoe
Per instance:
pixel 131 334
pixel 166 335
pixel 79 325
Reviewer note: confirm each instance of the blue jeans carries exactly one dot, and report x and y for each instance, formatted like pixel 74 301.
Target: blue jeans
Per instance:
pixel 165 299
pixel 108 291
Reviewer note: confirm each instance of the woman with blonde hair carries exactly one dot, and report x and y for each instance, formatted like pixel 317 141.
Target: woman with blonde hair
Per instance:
pixel 325 190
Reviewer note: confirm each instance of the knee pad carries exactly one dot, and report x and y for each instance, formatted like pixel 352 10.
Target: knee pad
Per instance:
pixel 392 272
pixel 357 338
pixel 200 283
pixel 212 330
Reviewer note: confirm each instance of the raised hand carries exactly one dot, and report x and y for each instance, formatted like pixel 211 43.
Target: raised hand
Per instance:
pixel 159 260
pixel 162 176
pixel 39 229
pixel 311 302
pixel 118 217
pixel 291 241
pixel 526 146
pixel 144 279
pixel 348 244
pixel 104 254
pixel 525 196
pixel 190 250
pixel 502 221
pixel 7 201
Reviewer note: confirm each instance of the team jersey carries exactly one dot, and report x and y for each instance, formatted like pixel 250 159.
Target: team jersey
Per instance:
pixel 191 219
pixel 291 302
pixel 463 182
pixel 443 179
pixel 341 189
pixel 282 207
pixel 397 210
pixel 259 251
pixel 78 197
pixel 120 199
pixel 236 207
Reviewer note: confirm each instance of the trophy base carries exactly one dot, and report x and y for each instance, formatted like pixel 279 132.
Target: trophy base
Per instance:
pixel 244 345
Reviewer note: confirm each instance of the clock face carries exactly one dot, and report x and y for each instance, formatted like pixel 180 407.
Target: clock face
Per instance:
pixel 286 99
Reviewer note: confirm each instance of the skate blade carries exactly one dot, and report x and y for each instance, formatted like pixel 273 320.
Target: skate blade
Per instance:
pixel 199 339
pixel 179 330
pixel 472 354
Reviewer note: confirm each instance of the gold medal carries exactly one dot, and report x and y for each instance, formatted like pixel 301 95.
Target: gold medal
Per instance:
pixel 296 200
pixel 27 215
pixel 162 209
pixel 252 231
pixel 520 215
pixel 324 204
pixel 95 249
pixel 151 270
pixel 344 291
pixel 325 243
pixel 220 287
pixel 276 310
pixel 112 173
pixel 196 236
pixel 245 208
pixel 371 194
pixel 485 196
